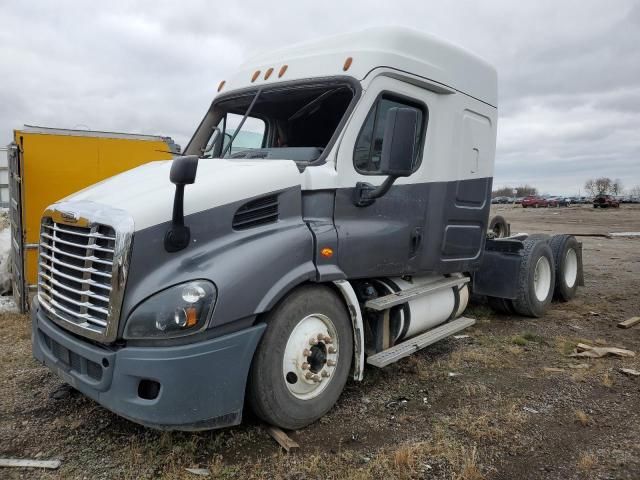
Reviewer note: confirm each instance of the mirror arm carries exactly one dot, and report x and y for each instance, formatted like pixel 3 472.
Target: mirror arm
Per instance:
pixel 365 193
pixel 178 235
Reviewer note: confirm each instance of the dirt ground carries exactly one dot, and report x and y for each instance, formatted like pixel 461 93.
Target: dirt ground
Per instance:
pixel 478 407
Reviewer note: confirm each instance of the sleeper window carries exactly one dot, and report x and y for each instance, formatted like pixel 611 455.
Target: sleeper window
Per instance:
pixel 368 149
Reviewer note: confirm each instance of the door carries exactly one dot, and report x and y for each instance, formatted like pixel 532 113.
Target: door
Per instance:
pixel 20 293
pixel 384 238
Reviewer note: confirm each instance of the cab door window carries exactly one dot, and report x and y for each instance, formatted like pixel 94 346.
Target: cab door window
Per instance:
pixel 368 147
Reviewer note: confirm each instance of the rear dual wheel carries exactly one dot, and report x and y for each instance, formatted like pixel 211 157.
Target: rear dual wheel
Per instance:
pixel 303 360
pixel 566 254
pixel 536 279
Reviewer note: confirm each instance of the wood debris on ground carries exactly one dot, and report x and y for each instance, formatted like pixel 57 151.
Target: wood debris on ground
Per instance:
pixel 26 463
pixel 202 472
pixel 584 350
pixel 553 369
pixel 282 438
pixel 630 371
pixel 629 322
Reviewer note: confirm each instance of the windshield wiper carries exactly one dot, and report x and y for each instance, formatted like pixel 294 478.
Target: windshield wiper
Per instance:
pixel 239 127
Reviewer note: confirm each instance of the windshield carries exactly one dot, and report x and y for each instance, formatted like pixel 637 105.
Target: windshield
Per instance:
pixel 287 122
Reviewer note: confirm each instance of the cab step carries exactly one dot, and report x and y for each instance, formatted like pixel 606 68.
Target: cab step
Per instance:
pixel 406 348
pixel 403 296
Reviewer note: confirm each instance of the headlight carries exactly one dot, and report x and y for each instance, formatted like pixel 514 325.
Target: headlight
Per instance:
pixel 177 311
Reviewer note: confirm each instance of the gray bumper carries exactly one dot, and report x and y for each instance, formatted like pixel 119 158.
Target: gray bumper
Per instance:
pixel 201 385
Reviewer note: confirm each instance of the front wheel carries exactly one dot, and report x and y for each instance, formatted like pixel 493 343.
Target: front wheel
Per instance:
pixel 303 361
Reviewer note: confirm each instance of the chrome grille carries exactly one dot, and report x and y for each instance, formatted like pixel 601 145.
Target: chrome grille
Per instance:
pixel 82 269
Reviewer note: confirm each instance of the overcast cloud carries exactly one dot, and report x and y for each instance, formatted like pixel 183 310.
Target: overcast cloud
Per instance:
pixel 569 71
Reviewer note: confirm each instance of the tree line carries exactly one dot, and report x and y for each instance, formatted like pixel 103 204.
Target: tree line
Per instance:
pixel 523 191
pixel 603 186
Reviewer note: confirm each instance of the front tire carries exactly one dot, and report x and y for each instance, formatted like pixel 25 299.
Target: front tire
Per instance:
pixel 303 360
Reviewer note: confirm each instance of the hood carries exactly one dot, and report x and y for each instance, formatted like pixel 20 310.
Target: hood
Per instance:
pixel 147 194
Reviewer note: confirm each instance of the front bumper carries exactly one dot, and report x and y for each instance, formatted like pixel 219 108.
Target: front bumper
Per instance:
pixel 201 385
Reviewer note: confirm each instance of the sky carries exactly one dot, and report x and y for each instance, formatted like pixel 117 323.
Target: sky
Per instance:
pixel 569 71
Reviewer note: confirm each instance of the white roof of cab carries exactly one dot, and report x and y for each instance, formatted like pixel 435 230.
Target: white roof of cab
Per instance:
pixel 398 48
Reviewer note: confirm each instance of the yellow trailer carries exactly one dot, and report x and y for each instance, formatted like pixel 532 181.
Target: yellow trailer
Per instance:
pixel 47 164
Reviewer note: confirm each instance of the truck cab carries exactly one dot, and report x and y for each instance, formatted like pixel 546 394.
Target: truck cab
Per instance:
pixel 330 211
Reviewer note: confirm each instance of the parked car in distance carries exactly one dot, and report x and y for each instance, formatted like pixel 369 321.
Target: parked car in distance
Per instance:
pixel 605 201
pixel 559 201
pixel 534 201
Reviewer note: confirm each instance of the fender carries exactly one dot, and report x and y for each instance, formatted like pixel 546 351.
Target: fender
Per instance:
pixel 350 298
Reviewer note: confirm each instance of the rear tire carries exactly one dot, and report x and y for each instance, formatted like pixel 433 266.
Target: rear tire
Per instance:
pixel 565 250
pixel 499 226
pixel 536 279
pixel 278 390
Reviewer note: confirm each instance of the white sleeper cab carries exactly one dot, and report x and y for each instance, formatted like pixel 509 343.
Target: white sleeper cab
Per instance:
pixel 331 211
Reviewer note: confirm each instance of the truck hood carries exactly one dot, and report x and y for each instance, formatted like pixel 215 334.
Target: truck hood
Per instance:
pixel 147 194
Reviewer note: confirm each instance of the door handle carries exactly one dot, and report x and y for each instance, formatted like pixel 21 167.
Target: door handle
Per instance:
pixel 416 240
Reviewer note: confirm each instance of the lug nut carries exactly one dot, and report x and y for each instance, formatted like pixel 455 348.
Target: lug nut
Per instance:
pixel 325 373
pixel 328 339
pixel 317 378
pixel 313 341
pixel 332 350
pixel 305 366
pixel 308 375
pixel 306 352
pixel 331 363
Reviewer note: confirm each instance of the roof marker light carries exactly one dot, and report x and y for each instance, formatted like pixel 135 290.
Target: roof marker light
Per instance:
pixel 221 86
pixel 283 69
pixel 256 74
pixel 268 73
pixel 347 63
pixel 326 252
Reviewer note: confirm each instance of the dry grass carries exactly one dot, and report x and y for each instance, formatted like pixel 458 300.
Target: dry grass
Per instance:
pixel 583 419
pixel 586 462
pixel 607 380
pixel 470 469
pixel 493 424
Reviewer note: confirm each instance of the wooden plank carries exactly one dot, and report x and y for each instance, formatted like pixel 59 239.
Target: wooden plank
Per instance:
pixel 629 322
pixel 282 438
pixel 26 463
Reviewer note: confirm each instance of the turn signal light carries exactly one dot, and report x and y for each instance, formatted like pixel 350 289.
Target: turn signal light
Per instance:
pixel 326 252
pixel 192 316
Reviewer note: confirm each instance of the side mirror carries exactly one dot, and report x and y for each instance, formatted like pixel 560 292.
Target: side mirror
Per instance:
pixel 183 172
pixel 398 153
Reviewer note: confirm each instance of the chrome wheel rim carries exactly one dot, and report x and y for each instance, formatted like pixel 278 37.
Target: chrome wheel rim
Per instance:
pixel 310 356
pixel 542 278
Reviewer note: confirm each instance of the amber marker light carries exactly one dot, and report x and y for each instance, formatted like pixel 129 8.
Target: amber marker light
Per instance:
pixel 283 69
pixel 347 63
pixel 221 86
pixel 268 73
pixel 256 74
pixel 192 316
pixel 326 252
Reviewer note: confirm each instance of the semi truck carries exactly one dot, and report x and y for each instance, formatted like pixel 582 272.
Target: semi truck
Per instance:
pixel 347 231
